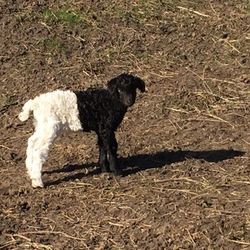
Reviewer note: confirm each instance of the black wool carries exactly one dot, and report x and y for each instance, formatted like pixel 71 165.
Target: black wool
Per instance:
pixel 102 111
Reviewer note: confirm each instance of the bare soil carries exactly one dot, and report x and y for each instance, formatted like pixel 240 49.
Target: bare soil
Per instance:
pixel 184 146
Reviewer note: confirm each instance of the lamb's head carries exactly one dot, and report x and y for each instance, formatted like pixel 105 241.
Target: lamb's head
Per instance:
pixel 124 87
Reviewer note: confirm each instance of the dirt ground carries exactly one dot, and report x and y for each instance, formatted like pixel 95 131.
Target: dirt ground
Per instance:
pixel 184 146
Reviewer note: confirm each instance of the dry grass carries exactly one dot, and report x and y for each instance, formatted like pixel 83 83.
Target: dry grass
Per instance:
pixel 184 145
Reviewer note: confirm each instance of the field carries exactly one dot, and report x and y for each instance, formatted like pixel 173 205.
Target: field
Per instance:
pixel 184 146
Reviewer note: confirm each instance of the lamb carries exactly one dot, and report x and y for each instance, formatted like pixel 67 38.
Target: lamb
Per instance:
pixel 95 109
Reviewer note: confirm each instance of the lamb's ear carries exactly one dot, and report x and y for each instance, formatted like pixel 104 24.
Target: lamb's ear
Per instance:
pixel 113 85
pixel 140 84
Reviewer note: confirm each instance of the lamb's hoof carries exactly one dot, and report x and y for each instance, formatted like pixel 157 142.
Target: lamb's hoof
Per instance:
pixel 117 172
pixel 36 183
pixel 105 169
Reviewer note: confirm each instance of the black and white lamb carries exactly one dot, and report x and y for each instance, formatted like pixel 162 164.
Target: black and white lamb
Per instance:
pixel 95 109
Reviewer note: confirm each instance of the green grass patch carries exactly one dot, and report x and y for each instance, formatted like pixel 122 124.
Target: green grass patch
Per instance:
pixel 62 16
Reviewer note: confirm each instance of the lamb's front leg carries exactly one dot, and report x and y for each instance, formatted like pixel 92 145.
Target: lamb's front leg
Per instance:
pixel 103 161
pixel 111 146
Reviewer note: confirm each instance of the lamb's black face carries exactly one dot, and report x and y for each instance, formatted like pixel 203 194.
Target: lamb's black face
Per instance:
pixel 127 95
pixel 124 87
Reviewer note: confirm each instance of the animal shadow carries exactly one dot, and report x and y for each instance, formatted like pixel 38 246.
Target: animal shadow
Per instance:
pixel 140 162
pixel 90 167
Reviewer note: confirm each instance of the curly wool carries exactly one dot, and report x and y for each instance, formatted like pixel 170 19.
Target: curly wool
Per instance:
pixel 98 108
pixel 47 108
pixel 49 119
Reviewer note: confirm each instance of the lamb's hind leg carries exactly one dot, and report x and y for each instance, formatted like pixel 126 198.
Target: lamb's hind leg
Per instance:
pixel 37 151
pixel 30 161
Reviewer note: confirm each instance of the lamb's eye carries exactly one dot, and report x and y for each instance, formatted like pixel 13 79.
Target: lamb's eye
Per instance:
pixel 121 91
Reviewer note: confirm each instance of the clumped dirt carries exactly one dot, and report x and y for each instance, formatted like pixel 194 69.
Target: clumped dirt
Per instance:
pixel 184 146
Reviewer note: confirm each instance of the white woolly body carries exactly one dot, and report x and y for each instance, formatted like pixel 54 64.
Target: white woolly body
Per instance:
pixel 52 111
pixel 57 106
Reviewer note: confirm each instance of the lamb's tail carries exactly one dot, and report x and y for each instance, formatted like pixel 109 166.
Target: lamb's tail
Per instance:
pixel 27 107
